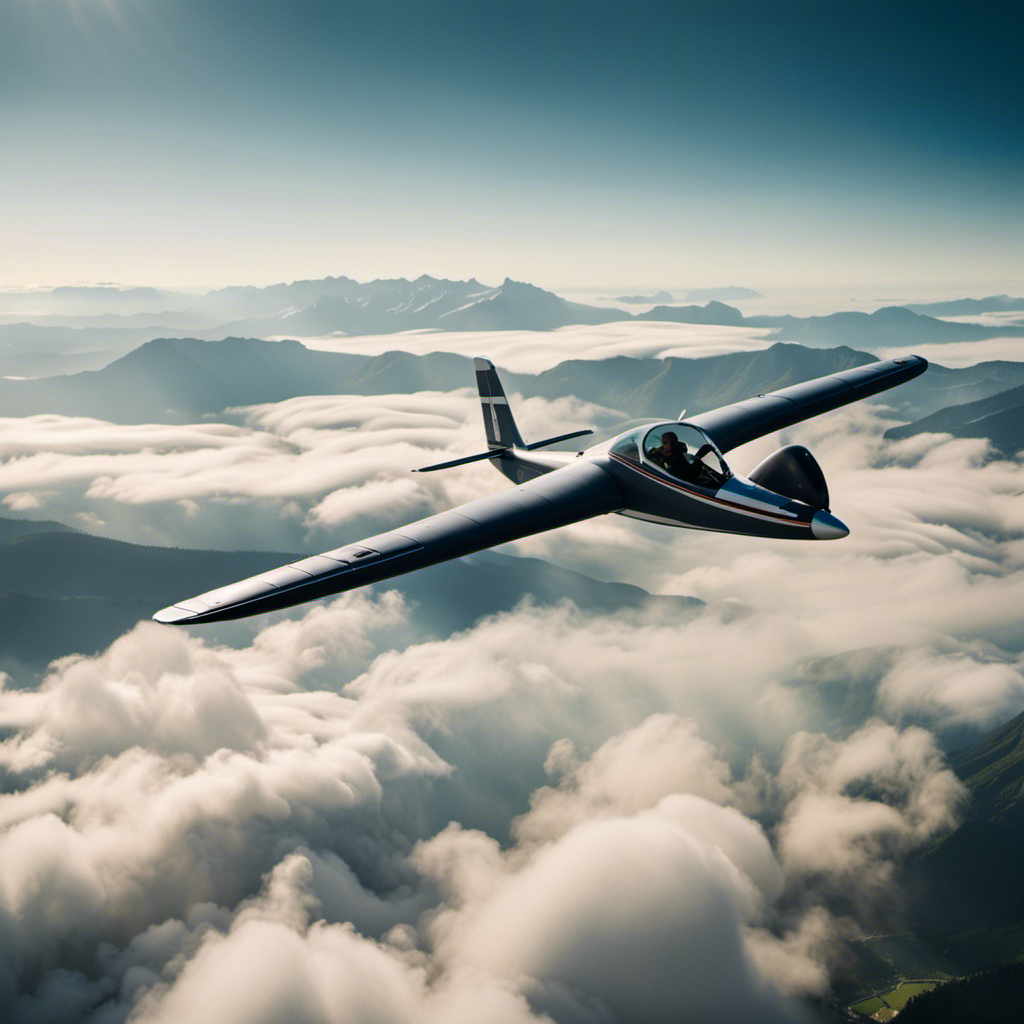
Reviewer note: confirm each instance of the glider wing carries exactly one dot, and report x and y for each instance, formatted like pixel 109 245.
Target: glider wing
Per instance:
pixel 736 424
pixel 579 491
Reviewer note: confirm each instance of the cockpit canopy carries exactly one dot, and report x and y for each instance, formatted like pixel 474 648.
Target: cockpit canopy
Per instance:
pixel 678 449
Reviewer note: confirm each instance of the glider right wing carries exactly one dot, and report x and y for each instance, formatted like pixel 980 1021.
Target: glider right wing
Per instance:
pixel 736 424
pixel 580 491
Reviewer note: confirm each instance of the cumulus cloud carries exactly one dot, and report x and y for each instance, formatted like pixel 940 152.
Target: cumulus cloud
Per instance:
pixel 642 914
pixel 629 772
pixel 150 788
pixel 853 806
pixel 933 565
pixel 178 814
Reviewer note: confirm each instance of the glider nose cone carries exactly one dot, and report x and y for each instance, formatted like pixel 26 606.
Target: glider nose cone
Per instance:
pixel 825 526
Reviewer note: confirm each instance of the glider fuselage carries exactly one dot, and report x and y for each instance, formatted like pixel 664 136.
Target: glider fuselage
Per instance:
pixel 650 492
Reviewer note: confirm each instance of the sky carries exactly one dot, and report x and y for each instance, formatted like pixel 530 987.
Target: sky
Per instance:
pixel 573 144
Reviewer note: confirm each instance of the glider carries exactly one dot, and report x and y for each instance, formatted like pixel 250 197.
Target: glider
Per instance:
pixel 672 473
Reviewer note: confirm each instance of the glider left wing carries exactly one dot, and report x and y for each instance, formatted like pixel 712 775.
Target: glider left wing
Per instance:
pixel 579 492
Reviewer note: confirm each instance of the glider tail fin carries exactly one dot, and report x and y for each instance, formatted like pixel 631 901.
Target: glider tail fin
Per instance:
pixel 501 428
pixel 503 437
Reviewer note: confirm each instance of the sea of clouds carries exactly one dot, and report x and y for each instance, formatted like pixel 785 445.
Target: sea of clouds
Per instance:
pixel 551 816
pixel 533 351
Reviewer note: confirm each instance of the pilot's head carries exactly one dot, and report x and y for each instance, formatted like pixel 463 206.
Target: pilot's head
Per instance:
pixel 669 440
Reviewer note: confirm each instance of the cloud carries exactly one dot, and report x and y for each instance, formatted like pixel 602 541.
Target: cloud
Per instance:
pixel 286 474
pixel 855 806
pixel 629 772
pixel 539 818
pixel 534 352
pixel 23 502
pixel 176 813
pixel 933 565
pixel 164 777
pixel 642 914
pixel 964 353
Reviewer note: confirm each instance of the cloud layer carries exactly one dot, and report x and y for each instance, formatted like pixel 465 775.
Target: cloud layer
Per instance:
pixel 550 816
pixel 533 351
pixel 292 473
pixel 179 814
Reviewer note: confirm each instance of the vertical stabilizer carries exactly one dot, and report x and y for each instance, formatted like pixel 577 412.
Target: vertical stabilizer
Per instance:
pixel 501 428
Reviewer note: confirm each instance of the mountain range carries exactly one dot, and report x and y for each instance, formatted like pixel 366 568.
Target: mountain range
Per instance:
pixel 426 304
pixel 968 889
pixel 963 897
pixel 969 307
pixel 181 380
pixel 340 305
pixel 175 380
pixel 1000 418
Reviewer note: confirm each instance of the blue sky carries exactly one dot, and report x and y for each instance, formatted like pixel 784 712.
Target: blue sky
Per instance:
pixel 568 144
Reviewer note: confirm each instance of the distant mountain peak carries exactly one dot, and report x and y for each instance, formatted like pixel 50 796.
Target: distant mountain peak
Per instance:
pixel 895 313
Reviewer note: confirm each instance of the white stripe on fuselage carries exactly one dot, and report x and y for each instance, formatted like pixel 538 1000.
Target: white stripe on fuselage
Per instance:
pixel 738 501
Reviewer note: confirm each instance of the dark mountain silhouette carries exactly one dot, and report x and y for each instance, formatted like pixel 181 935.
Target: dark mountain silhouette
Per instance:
pixel 973 878
pixel 966 307
pixel 993 768
pixel 660 388
pixel 995 996
pixel 178 380
pixel 651 388
pixel 1000 418
pixel 11 528
pixel 64 592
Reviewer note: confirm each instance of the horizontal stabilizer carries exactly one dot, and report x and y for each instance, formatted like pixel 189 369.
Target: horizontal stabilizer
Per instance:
pixel 495 452
pixel 480 456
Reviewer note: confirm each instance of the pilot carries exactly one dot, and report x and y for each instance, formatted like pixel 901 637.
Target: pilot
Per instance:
pixel 671 455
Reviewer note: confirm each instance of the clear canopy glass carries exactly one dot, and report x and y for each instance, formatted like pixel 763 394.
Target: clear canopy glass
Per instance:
pixel 678 449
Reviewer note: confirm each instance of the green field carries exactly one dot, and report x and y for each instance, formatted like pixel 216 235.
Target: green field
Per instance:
pixel 869 1007
pixel 888 1004
pixel 902 995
